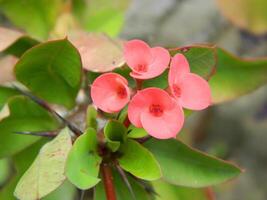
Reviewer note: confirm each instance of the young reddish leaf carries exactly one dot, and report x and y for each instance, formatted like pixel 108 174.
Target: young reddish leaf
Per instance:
pixel 99 52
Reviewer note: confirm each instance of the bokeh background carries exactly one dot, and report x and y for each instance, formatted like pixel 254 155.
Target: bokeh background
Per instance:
pixel 235 130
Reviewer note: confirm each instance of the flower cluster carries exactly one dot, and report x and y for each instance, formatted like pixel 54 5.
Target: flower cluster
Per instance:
pixel 159 112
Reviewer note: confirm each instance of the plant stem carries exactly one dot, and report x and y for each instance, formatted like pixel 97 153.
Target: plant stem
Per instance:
pixel 108 181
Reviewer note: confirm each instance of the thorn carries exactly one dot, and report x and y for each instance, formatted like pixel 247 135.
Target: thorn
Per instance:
pixel 46 106
pixel 43 134
pixel 126 181
pixel 82 194
pixel 148 187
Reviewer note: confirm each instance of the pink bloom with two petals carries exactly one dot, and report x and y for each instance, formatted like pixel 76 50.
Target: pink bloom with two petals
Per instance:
pixel 190 90
pixel 156 111
pixel 110 92
pixel 144 61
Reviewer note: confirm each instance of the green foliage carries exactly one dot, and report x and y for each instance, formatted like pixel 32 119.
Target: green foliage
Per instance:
pixel 101 15
pixel 4 170
pixel 35 17
pixel 167 191
pixel 25 115
pixel 5 94
pixel 235 77
pixel 47 171
pixel 52 70
pixel 135 132
pixel 21 162
pixel 83 163
pixel 122 192
pixel 138 161
pixel 91 115
pixel 184 166
pixel 115 134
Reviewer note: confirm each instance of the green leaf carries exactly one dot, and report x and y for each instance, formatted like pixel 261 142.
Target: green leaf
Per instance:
pixel 122 192
pixel 14 42
pixel 246 14
pixel 52 70
pixel 184 166
pixel 236 77
pixel 4 170
pixel 65 192
pixel 138 161
pixel 173 192
pixel 25 115
pixel 115 134
pixel 47 171
pixel 21 162
pixel 83 162
pixel 5 94
pixel 91 115
pixel 101 15
pixel 35 17
pixel 202 61
pixel 135 132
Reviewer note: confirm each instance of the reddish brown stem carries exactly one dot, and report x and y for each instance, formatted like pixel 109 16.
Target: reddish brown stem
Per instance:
pixel 139 83
pixel 108 181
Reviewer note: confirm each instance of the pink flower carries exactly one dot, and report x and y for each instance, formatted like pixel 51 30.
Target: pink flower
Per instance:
pixel 144 61
pixel 190 90
pixel 110 92
pixel 157 112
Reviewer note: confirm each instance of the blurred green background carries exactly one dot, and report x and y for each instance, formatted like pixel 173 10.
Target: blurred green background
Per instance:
pixel 235 130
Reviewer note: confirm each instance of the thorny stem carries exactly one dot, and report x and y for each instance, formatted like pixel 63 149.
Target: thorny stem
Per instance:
pixel 108 181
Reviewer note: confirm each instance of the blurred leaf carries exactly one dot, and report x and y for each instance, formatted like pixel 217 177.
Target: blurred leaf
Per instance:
pixel 35 17
pixel 52 70
pixel 202 61
pixel 101 15
pixel 122 192
pixel 135 132
pixel 14 42
pixel 184 166
pixel 115 134
pixel 246 14
pixel 4 170
pixel 21 161
pixel 83 162
pixel 137 160
pixel 236 77
pixel 7 64
pixel 173 192
pixel 47 171
pixel 91 115
pixel 66 191
pixel 5 94
pixel 25 115
pixel 99 52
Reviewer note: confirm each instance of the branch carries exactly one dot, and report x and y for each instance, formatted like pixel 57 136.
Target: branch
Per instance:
pixel 108 181
pixel 47 107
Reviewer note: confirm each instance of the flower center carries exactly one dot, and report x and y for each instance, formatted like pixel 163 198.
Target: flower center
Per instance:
pixel 121 92
pixel 141 68
pixel 156 110
pixel 176 90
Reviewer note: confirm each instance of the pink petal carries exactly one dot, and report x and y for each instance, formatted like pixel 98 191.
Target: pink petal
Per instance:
pixel 179 66
pixel 143 99
pixel 195 92
pixel 166 126
pixel 160 62
pixel 105 92
pixel 136 53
